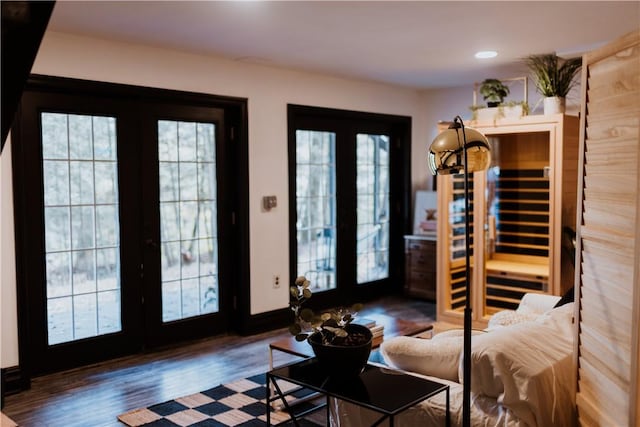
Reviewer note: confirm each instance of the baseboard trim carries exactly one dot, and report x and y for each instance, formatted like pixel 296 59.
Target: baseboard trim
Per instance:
pixel 268 321
pixel 12 381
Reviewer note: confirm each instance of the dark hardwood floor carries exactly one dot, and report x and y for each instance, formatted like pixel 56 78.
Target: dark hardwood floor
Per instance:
pixel 95 395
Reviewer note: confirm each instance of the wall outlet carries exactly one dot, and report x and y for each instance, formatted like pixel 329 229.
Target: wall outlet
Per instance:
pixel 276 281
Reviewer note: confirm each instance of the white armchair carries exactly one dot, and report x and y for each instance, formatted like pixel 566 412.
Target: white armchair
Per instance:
pixel 521 375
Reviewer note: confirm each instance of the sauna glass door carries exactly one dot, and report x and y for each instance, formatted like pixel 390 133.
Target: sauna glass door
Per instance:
pixel 517 219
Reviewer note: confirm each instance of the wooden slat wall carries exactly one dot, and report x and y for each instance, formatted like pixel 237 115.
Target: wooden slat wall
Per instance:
pixel 609 237
pixel 522 222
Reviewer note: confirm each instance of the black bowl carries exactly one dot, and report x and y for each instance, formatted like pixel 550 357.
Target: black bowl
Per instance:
pixel 342 360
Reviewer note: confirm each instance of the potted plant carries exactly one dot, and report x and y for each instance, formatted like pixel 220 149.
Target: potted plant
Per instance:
pixel 342 347
pixel 493 91
pixel 554 77
pixel 511 109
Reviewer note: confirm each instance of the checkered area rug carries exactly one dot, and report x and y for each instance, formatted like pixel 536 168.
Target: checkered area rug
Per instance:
pixel 240 403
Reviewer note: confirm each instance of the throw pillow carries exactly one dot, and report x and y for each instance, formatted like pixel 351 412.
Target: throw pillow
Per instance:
pixel 436 358
pixel 508 318
pixel 536 303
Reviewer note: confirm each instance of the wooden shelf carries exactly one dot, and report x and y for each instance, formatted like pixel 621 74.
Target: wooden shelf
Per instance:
pixel 513 267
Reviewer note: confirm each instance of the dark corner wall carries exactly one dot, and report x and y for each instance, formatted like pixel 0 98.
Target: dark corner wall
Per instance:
pixel 23 26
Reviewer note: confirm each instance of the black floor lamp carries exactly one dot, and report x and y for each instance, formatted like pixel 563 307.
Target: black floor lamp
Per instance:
pixel 454 151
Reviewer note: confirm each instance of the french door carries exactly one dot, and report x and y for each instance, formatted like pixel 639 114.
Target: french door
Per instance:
pixel 187 214
pixel 349 175
pixel 124 212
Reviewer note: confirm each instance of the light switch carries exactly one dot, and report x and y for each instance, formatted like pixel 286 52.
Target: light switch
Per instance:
pixel 269 202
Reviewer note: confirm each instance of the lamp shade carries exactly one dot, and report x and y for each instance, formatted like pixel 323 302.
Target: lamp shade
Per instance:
pixel 446 157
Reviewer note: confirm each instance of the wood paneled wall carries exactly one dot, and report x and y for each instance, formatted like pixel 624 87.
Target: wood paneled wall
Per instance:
pixel 609 237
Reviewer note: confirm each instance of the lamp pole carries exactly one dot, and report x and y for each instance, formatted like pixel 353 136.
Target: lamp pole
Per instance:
pixel 466 354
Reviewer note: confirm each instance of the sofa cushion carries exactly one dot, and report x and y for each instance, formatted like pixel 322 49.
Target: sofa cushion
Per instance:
pixel 435 357
pixel 455 333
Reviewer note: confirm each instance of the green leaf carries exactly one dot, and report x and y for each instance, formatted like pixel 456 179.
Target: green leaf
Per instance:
pixel 493 90
pixel 341 333
pixel 338 332
pixel 553 76
pixel 316 323
pixel 293 291
pixel 295 329
pixel 306 292
pixel 307 314
pixel 301 337
pixel 330 322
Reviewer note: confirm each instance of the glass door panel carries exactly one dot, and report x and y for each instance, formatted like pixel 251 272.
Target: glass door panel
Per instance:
pixel 372 187
pixel 82 248
pixel 316 208
pixel 188 219
pixel 517 219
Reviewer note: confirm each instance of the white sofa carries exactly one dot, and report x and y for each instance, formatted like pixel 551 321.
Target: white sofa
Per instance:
pixel 522 372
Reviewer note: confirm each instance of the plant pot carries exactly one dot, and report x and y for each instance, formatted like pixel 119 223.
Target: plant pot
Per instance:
pixel 554 105
pixel 343 361
pixel 497 113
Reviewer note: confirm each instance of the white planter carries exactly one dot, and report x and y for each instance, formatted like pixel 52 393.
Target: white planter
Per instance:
pixel 554 105
pixel 497 113
pixel 514 112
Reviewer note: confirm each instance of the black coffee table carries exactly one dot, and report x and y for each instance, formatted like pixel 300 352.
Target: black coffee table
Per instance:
pixel 386 391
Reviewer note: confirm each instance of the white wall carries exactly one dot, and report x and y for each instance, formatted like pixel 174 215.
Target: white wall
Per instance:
pixel 8 307
pixel 268 91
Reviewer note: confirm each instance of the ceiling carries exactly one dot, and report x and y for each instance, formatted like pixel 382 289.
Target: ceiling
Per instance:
pixel 420 44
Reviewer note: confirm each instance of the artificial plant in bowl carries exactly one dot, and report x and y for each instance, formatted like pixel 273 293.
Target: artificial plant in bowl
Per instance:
pixel 342 347
pixel 554 77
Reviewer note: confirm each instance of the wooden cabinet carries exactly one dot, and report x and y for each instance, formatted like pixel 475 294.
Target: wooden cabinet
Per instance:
pixel 420 266
pixel 608 238
pixel 519 207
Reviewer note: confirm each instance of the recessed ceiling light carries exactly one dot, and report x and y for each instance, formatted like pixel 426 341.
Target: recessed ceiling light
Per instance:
pixel 484 54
